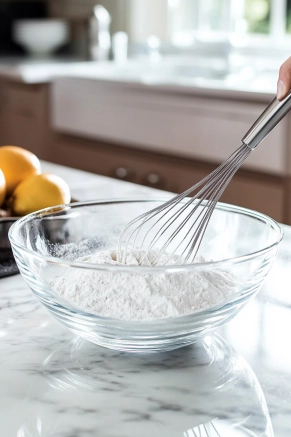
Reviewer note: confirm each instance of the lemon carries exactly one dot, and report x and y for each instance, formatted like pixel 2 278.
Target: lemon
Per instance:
pixel 38 192
pixel 17 164
pixel 2 187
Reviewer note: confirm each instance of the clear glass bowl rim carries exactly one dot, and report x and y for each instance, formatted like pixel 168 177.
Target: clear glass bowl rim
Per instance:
pixel 145 269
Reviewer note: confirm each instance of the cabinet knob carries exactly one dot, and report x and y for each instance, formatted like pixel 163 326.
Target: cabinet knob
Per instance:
pixel 154 180
pixel 122 173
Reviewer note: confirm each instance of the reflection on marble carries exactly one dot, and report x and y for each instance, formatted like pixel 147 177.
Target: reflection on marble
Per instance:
pixel 83 390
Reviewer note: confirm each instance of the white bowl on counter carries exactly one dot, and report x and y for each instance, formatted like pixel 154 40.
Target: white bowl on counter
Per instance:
pixel 41 36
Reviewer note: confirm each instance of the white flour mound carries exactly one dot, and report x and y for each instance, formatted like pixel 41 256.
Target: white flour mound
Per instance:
pixel 130 296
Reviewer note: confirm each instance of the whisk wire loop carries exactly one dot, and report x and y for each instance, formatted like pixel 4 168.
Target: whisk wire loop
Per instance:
pixel 207 212
pixel 169 219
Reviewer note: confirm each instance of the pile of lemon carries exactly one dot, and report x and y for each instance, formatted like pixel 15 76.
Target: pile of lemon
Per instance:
pixel 23 187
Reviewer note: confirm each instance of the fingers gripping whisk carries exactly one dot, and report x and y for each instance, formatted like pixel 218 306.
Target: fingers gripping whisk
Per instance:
pixel 176 227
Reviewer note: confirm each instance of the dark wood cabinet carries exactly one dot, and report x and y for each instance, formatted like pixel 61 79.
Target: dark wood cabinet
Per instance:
pixel 249 189
pixel 25 121
pixel 24 118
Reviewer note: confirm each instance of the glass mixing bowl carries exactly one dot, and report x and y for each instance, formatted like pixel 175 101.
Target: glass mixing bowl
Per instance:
pixel 49 242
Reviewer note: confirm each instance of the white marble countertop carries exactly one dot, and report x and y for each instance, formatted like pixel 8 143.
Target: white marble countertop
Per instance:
pixel 169 75
pixel 234 383
pixel 34 70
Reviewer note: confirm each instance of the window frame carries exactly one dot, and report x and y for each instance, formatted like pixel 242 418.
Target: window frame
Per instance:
pixel 277 38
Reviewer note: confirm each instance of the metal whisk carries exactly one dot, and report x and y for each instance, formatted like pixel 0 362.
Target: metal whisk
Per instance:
pixel 176 227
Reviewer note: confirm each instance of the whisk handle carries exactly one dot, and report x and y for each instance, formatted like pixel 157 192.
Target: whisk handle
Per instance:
pixel 269 118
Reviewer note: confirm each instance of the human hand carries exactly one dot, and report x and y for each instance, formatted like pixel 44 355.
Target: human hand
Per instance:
pixel 284 79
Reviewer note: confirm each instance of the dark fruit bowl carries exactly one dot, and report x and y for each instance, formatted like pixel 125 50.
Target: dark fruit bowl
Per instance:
pixel 8 265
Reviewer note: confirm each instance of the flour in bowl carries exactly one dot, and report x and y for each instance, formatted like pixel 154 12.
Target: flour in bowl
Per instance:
pixel 135 296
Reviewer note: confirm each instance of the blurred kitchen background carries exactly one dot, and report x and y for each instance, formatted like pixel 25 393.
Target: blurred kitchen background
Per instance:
pixel 154 92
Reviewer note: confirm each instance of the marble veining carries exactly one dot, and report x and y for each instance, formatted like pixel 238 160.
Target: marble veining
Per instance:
pixel 235 383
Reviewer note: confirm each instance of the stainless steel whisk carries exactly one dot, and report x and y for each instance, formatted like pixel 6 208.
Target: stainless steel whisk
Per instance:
pixel 177 226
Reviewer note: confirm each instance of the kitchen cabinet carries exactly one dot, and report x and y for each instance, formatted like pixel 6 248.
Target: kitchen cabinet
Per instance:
pixel 259 191
pixel 174 121
pixel 171 138
pixel 24 116
pixel 25 120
